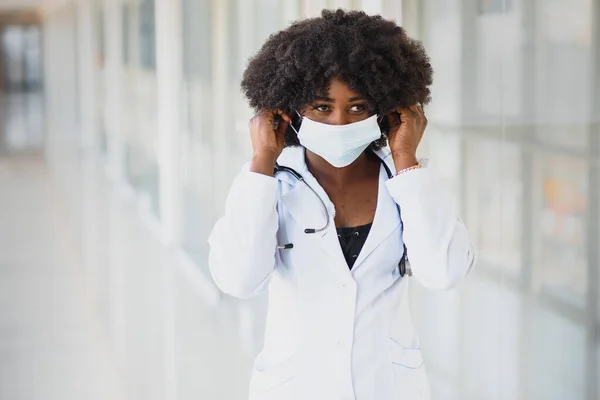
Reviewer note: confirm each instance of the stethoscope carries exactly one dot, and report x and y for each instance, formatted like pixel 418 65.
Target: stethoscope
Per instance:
pixel 281 168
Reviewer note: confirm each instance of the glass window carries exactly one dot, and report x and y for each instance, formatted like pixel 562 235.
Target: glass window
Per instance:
pixel 564 49
pixel 494 6
pixel 499 82
pixel 392 9
pixel 598 363
pixel 239 146
pixel 495 198
pixel 99 20
pixel 197 69
pixel 197 123
pixel 499 61
pixel 268 22
pixel 139 112
pixel 218 40
pixel 147 34
pixel 345 4
pixel 593 264
pixel 125 32
pixel 312 8
pixel 99 50
pixel 561 226
pixel 197 44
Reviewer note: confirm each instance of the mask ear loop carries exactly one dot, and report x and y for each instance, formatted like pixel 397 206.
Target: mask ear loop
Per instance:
pixel 292 125
pixel 380 119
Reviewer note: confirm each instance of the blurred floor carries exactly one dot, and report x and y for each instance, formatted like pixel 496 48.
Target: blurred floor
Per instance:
pixel 51 344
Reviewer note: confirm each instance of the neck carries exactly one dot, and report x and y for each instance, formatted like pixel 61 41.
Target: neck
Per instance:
pixel 326 174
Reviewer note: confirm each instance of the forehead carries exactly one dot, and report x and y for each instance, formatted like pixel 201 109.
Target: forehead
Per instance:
pixel 338 90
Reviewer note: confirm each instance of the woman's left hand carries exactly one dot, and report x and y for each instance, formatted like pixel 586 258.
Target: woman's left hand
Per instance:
pixel 406 130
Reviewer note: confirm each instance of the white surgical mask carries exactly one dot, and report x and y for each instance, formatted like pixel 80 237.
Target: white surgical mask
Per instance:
pixel 339 145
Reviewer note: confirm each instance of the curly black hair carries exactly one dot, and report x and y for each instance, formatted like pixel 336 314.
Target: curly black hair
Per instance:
pixel 370 54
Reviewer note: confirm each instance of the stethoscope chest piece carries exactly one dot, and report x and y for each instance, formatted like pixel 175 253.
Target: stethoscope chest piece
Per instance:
pixel 404 266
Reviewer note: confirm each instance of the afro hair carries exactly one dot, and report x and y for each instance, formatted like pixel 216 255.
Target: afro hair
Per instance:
pixel 370 54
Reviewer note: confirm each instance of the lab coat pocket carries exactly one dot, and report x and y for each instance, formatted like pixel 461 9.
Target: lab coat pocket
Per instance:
pixel 409 372
pixel 272 380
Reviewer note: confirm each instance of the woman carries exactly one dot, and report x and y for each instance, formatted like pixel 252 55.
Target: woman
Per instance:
pixel 323 214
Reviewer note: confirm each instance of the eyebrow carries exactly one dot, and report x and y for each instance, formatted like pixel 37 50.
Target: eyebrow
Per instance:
pixel 330 100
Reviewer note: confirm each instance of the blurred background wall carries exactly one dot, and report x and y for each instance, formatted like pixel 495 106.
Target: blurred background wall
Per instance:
pixel 135 109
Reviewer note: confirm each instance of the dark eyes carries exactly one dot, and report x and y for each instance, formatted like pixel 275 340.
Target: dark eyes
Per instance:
pixel 356 108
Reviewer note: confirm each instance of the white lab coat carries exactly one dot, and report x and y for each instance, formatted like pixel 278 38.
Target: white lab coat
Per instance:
pixel 335 333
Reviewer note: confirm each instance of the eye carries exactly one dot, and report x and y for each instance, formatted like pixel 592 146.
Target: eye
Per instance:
pixel 358 108
pixel 321 107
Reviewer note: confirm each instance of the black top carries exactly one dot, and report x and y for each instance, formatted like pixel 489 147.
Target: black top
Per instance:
pixel 352 241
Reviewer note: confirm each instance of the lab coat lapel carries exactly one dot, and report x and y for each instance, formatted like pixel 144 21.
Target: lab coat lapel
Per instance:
pixel 299 201
pixel 304 206
pixel 307 210
pixel 387 219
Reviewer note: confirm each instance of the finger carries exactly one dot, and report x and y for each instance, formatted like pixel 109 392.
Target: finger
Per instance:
pixel 273 116
pixel 283 116
pixel 282 125
pixel 406 114
pixel 419 108
pixel 410 109
pixel 421 115
pixel 280 121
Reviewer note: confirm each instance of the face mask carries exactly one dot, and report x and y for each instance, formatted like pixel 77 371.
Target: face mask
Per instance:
pixel 339 145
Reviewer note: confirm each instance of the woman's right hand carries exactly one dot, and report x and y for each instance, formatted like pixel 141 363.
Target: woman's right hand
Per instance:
pixel 267 141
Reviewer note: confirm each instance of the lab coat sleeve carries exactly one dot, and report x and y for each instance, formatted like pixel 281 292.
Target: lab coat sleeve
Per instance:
pixel 438 245
pixel 243 242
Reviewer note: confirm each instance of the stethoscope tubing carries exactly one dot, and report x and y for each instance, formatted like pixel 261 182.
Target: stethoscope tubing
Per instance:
pixel 300 178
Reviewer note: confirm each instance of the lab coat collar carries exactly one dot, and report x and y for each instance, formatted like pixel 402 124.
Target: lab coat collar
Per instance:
pixel 306 209
pixel 292 157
